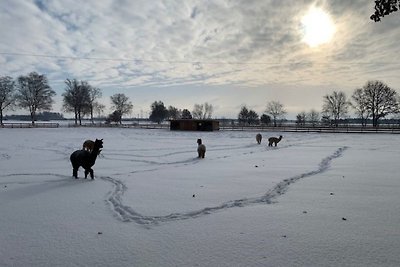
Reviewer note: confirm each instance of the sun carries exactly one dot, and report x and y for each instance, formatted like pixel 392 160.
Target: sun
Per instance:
pixel 318 27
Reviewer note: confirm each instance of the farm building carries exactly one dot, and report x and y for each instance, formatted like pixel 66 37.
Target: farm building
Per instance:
pixel 194 125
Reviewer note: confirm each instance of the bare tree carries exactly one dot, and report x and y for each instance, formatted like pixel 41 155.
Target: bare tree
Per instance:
pixel 276 110
pixel 313 117
pixel 94 94
pixel 380 100
pixel 197 111
pixel 99 108
pixel 360 105
pixel 121 103
pixel 208 110
pixel 76 99
pixel 301 118
pixel 336 106
pixel 203 111
pixel 34 94
pixel 174 113
pixel 7 95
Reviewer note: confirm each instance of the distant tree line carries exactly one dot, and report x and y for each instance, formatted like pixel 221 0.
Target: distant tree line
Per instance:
pixel 371 103
pixel 159 112
pixel 274 113
pixel 41 116
pixel 31 92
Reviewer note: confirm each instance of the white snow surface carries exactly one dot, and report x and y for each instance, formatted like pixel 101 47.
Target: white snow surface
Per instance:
pixel 314 200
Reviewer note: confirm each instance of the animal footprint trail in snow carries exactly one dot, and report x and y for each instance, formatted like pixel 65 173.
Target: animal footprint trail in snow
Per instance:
pixel 5 156
pixel 128 214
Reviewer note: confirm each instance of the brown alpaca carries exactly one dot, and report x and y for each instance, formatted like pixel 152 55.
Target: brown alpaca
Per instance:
pixel 258 138
pixel 201 149
pixel 274 140
pixel 88 145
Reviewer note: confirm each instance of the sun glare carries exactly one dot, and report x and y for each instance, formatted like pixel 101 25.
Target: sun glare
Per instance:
pixel 318 27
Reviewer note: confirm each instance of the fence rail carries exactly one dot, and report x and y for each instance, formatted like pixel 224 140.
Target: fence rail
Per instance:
pixel 281 128
pixel 29 125
pixel 319 129
pixel 123 125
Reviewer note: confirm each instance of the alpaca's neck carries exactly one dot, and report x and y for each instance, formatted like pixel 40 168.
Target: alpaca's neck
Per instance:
pixel 94 153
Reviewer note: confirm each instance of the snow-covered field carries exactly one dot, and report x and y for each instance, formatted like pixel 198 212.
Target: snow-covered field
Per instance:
pixel 314 200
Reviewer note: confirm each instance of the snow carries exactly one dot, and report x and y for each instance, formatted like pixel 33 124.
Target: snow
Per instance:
pixel 314 200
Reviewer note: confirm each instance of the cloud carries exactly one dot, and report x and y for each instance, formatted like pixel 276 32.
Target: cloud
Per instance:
pixel 226 43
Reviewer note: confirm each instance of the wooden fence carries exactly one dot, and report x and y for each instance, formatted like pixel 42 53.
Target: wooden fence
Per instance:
pixel 317 129
pixel 29 125
pixel 394 129
pixel 123 125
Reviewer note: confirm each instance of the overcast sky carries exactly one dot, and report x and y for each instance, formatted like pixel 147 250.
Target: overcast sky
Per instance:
pixel 228 53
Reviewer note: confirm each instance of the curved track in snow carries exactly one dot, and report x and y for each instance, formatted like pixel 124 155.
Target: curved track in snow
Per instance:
pixel 128 214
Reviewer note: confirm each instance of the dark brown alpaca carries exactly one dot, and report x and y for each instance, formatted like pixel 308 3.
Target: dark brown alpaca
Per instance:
pixel 258 138
pixel 274 140
pixel 201 149
pixel 85 159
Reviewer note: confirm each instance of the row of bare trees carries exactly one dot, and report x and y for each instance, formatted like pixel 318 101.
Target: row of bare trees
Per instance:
pixel 81 99
pixel 273 112
pixel 31 92
pixel 374 101
pixel 159 112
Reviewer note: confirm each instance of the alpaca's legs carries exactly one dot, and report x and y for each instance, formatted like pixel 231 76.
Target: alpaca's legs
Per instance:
pixel 89 171
pixel 75 173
